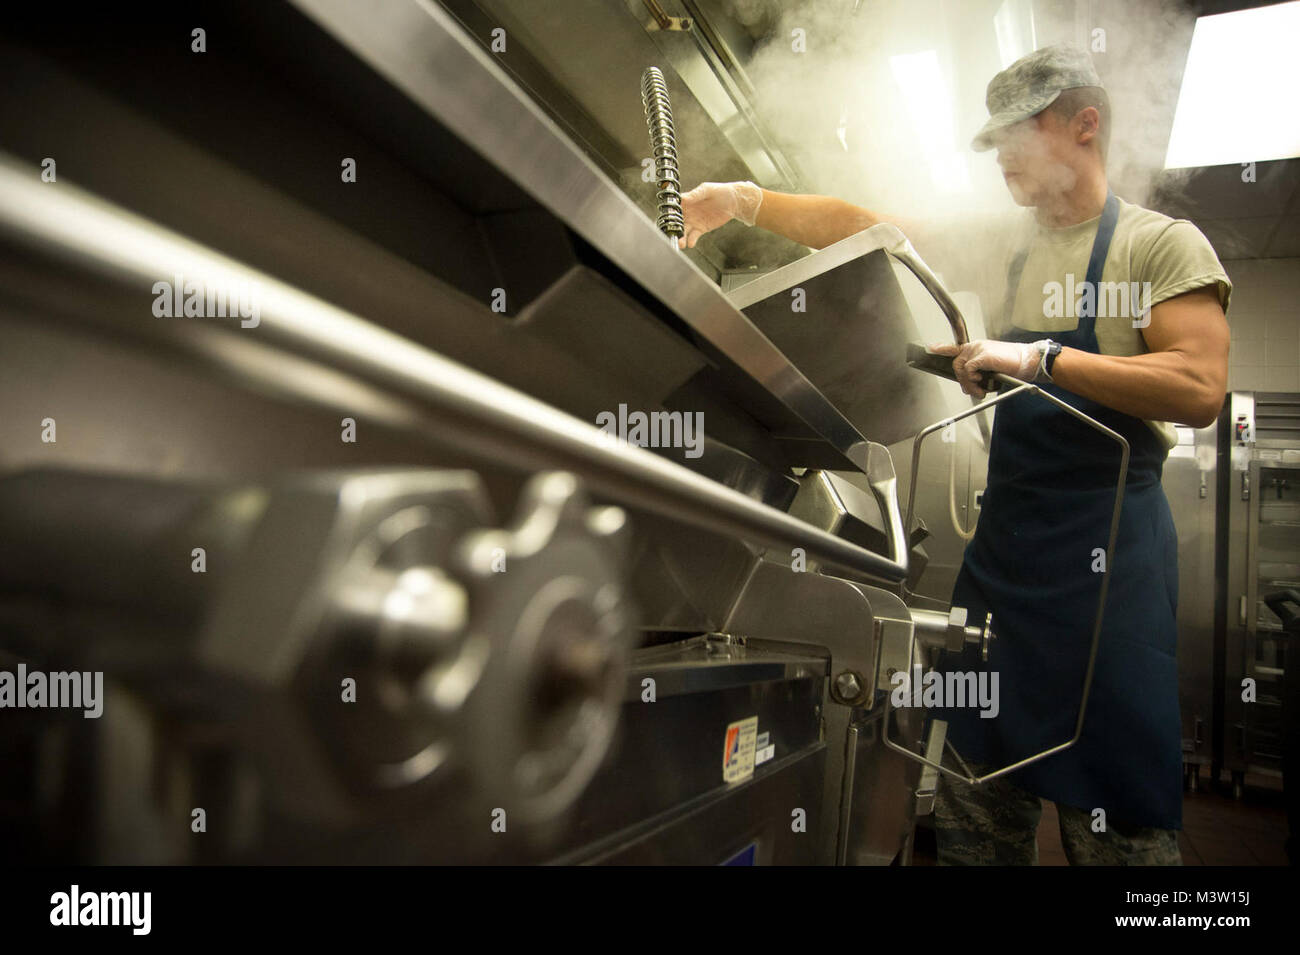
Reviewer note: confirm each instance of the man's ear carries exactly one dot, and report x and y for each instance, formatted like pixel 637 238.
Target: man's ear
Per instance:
pixel 1087 124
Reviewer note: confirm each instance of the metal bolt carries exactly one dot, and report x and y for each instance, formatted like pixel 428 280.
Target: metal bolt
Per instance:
pixel 849 685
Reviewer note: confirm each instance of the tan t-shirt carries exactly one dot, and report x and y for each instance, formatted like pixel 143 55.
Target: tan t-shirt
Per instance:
pixel 1152 258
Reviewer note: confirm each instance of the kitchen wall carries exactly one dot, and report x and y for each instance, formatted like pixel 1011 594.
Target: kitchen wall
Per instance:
pixel 1264 316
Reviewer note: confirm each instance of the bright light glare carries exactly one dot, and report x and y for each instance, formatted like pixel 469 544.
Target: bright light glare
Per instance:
pixel 929 107
pixel 1014 26
pixel 1238 99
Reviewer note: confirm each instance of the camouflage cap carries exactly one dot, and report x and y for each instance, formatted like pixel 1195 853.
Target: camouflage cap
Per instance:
pixel 1030 85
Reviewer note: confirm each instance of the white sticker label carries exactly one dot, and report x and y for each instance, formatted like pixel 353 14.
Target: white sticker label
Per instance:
pixel 738 750
pixel 764 754
pixel 762 741
pixel 1265 455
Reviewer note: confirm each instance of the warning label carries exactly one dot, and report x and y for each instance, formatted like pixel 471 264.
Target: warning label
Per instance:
pixel 738 751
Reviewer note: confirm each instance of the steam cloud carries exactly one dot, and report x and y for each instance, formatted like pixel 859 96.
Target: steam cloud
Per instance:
pixel 855 131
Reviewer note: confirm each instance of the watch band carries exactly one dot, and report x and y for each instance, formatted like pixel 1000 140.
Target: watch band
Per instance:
pixel 1050 350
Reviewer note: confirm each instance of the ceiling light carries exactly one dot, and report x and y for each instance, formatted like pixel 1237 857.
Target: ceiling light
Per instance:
pixel 1237 103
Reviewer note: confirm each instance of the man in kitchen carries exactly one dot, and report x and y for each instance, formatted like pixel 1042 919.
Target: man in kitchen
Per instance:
pixel 1047 508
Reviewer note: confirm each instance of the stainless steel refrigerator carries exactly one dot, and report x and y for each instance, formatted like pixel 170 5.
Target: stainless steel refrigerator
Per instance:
pixel 1260 535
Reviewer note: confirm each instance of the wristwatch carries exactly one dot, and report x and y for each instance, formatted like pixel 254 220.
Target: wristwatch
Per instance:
pixel 1050 350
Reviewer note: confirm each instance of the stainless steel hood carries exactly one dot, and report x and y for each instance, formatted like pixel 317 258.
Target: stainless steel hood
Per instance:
pixel 582 61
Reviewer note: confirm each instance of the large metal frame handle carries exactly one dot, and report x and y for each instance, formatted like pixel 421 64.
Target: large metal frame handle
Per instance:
pixel 900 247
pixel 893 241
pixel 893 649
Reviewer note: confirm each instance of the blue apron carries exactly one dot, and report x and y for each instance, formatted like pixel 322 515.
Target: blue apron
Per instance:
pixel 1046 513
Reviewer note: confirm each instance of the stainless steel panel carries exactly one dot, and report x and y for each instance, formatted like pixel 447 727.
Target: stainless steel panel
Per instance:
pixel 883 236
pixel 1238 448
pixel 1190 481
pixel 421 50
pixel 569 41
pixel 884 791
pixel 780 603
pixel 849 336
pixel 112 244
pixel 662 798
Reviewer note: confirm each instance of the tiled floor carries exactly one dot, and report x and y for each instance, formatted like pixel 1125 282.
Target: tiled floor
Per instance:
pixel 1217 829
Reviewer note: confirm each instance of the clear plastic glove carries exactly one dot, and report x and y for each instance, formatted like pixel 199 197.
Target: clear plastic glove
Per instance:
pixel 975 359
pixel 713 204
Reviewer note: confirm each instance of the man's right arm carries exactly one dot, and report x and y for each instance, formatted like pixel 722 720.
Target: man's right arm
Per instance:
pixel 816 221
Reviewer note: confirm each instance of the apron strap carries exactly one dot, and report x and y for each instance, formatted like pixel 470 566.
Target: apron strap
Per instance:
pixel 1096 263
pixel 1100 249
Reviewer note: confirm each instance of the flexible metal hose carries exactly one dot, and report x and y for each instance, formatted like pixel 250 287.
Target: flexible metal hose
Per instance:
pixel 663 143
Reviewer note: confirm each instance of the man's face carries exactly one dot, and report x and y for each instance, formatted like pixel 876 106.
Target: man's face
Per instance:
pixel 1034 155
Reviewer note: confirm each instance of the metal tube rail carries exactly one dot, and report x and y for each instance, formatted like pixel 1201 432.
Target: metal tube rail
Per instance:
pixel 476 414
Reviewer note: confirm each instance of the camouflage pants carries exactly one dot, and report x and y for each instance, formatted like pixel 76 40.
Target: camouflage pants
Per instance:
pixel 997 824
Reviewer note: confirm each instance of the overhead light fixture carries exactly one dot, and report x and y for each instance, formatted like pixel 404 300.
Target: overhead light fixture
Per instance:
pixel 1237 103
pixel 929 108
